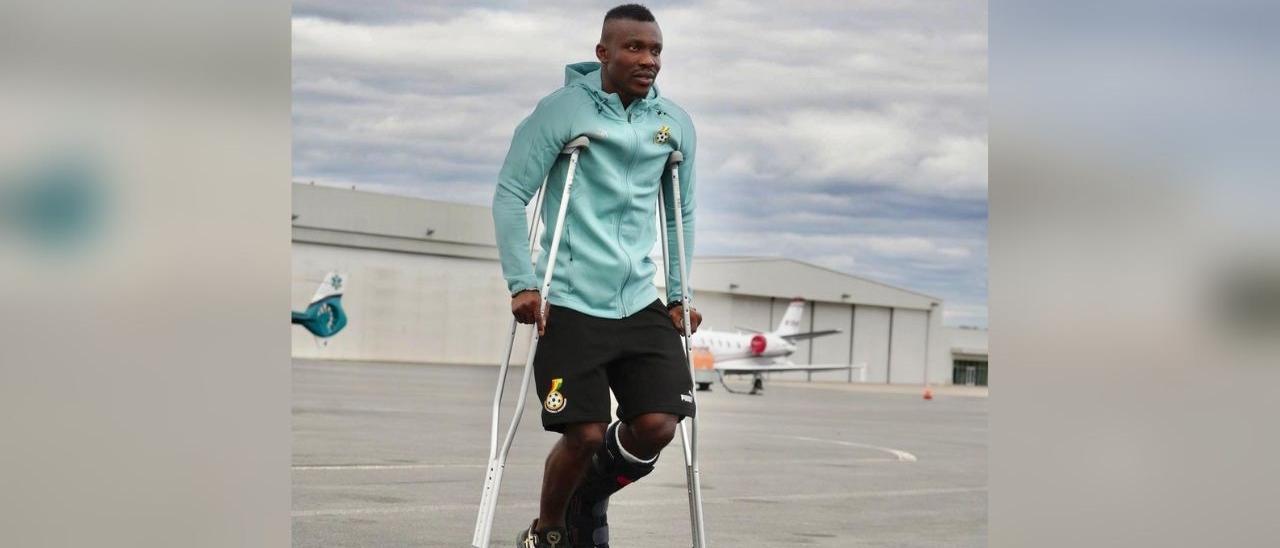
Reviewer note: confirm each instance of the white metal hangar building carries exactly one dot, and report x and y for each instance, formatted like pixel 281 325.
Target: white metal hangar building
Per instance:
pixel 424 285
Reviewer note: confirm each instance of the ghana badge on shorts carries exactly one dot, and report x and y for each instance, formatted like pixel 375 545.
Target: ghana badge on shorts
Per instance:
pixel 555 401
pixel 664 133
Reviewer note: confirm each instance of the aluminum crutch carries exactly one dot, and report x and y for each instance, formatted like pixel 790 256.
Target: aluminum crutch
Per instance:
pixel 498 455
pixel 689 433
pixel 495 467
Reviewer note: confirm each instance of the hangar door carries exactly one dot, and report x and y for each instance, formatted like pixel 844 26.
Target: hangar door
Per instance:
pixel 871 341
pixel 907 355
pixel 749 313
pixel 830 349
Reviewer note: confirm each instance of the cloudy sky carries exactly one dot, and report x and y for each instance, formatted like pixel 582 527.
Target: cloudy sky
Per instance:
pixel 852 135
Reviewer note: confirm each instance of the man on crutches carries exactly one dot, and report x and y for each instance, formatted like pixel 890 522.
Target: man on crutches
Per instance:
pixel 604 327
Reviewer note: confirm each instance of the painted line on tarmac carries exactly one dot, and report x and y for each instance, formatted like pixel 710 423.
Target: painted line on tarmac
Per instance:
pixel 385 510
pixel 899 454
pixel 331 467
pixel 378 467
pixel 859 495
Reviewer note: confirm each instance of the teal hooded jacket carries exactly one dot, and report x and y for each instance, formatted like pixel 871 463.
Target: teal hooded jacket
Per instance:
pixel 603 266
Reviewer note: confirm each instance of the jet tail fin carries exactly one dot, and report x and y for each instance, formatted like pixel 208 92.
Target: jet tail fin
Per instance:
pixel 331 286
pixel 790 323
pixel 324 316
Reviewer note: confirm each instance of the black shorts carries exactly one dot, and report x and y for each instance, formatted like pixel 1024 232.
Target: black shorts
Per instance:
pixel 581 357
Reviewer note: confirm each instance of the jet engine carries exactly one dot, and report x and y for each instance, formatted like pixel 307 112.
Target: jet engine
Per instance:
pixel 758 344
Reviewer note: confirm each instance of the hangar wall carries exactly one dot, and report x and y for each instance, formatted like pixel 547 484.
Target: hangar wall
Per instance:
pixel 864 337
pixel 422 308
pixel 424 285
pixel 407 307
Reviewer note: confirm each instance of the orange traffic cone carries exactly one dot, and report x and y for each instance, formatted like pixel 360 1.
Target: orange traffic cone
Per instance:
pixel 928 393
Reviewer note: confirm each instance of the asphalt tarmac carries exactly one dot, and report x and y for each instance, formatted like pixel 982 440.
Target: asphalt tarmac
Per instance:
pixel 390 455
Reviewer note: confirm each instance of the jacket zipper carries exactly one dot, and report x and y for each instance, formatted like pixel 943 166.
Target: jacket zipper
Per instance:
pixel 626 180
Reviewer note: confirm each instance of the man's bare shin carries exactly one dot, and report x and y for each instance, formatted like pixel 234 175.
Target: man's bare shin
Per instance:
pixel 565 467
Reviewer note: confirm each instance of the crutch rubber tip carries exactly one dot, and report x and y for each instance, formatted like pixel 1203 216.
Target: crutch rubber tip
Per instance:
pixel 675 158
pixel 581 142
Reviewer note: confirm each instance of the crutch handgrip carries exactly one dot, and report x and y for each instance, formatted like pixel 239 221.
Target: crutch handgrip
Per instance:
pixel 675 158
pixel 580 142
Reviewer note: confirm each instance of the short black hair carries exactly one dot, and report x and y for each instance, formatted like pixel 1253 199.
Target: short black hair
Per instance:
pixel 634 12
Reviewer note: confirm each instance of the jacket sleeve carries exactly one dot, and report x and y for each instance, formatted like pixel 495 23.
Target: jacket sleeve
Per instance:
pixel 534 148
pixel 688 146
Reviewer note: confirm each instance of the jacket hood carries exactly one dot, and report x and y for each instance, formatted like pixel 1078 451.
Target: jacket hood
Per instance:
pixel 587 76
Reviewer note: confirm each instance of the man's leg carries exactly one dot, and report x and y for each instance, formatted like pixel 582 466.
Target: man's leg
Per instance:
pixel 565 466
pixel 629 453
pixel 651 381
pixel 645 436
pixel 574 388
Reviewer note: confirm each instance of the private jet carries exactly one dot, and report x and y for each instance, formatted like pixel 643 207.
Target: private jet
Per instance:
pixel 720 353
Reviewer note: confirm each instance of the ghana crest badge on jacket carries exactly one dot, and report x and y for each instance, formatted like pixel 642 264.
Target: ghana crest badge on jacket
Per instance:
pixel 664 133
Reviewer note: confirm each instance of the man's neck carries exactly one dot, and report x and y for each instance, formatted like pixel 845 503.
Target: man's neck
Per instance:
pixel 626 99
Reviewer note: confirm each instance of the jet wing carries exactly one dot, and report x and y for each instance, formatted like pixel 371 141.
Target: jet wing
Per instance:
pixel 744 368
pixel 810 335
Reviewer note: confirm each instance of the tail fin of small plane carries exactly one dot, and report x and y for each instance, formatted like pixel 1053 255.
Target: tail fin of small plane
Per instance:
pixel 790 323
pixel 789 329
pixel 324 316
pixel 331 286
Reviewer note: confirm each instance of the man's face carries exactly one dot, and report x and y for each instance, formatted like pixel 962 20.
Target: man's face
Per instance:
pixel 630 55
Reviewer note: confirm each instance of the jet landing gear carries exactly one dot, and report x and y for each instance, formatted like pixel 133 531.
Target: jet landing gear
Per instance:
pixel 757 385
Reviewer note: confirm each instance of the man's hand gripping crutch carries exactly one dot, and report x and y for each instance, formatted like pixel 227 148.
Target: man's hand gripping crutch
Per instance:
pixel 689 433
pixel 498 454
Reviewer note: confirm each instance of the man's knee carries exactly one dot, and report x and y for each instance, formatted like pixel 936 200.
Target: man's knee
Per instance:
pixel 584 439
pixel 654 429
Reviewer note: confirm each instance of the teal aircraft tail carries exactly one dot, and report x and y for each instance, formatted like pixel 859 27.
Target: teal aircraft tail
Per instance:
pixel 324 317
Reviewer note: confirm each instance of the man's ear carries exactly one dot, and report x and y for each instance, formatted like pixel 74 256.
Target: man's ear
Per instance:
pixel 602 54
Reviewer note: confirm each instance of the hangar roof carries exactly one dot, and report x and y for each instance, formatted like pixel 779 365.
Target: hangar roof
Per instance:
pixel 783 277
pixel 353 218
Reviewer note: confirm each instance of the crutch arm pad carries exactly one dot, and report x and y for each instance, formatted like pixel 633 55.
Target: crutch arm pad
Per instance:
pixel 581 142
